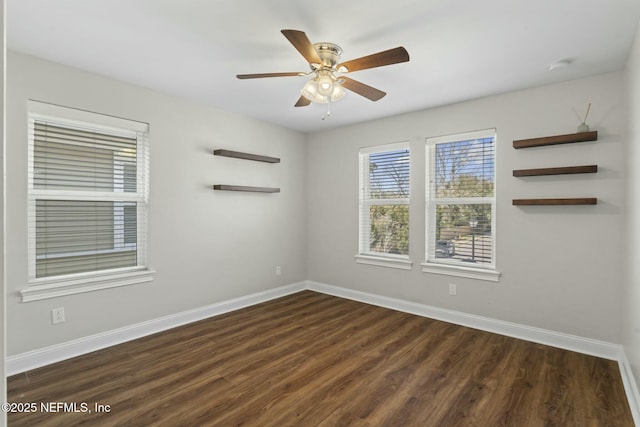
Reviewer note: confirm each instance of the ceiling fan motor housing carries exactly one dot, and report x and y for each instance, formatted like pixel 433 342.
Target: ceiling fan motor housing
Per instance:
pixel 329 53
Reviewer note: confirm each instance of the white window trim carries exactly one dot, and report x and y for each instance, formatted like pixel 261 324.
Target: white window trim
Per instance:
pixel 40 289
pixel 57 286
pixel 385 147
pixel 402 262
pixel 487 272
pixel 72 116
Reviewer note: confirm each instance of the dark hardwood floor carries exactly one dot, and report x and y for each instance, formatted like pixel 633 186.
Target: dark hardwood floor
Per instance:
pixel 315 360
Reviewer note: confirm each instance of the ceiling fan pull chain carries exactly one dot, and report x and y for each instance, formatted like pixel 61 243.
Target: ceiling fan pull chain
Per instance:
pixel 324 116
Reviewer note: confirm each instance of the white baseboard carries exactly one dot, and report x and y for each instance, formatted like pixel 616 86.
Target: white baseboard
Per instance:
pixel 56 353
pixel 556 339
pixel 630 387
pixel 575 343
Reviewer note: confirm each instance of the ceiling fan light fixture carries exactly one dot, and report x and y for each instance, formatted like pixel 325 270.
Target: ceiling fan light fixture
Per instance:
pixel 310 90
pixel 338 92
pixel 325 85
pixel 323 89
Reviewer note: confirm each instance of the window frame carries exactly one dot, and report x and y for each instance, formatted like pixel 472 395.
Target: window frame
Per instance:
pixel 364 255
pixel 445 266
pixel 55 286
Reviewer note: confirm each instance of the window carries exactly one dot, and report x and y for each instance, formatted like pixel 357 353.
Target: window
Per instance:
pixel 461 204
pixel 87 201
pixel 384 206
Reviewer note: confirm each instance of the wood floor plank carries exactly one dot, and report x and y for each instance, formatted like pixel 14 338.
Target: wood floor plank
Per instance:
pixel 516 394
pixel 348 376
pixel 327 361
pixel 311 359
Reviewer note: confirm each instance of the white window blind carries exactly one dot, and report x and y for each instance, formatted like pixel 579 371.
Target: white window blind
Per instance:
pixel 461 199
pixel 88 186
pixel 384 200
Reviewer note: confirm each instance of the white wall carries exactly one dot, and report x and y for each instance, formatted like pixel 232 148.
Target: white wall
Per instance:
pixel 631 300
pixel 207 246
pixel 561 266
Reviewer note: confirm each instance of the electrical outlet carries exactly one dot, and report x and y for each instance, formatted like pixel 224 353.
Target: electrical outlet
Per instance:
pixel 452 289
pixel 57 315
pixel 278 270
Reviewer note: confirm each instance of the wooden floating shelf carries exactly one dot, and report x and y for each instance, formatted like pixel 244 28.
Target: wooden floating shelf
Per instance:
pixel 555 140
pixel 550 202
pixel 226 187
pixel 245 156
pixel 564 170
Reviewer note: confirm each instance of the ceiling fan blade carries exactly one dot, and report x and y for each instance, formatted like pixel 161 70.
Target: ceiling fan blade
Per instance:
pixel 380 59
pixel 262 75
pixel 300 41
pixel 303 102
pixel 361 89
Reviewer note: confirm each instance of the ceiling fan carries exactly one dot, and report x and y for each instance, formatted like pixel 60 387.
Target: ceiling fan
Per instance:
pixel 328 83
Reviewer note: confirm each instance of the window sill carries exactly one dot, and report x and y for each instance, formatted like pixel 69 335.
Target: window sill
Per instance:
pixel 400 263
pixel 53 288
pixel 461 271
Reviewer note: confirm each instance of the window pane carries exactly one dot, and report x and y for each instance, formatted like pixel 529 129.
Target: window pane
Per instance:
pixel 130 221
pixel 389 174
pixel 463 233
pixel 465 168
pixel 84 263
pixel 81 236
pixel 389 231
pixel 72 159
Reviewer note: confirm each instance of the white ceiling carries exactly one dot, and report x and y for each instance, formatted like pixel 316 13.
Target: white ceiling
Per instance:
pixel 459 49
